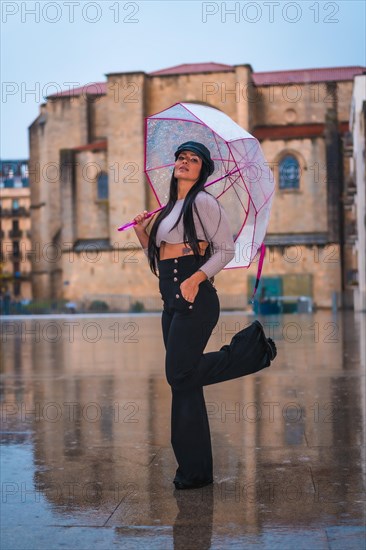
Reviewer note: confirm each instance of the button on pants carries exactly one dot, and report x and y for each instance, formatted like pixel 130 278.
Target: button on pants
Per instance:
pixel 186 329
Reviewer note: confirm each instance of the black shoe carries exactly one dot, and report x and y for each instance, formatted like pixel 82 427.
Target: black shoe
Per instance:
pixel 180 485
pixel 272 348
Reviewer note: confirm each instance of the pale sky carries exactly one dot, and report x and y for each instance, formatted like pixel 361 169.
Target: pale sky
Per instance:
pixel 63 41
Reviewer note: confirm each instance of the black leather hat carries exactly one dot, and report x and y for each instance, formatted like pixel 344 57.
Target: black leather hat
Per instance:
pixel 201 150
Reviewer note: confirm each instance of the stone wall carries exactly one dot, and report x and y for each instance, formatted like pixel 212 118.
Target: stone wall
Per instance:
pixel 65 126
pixel 126 273
pixel 302 210
pixel 92 214
pixel 300 103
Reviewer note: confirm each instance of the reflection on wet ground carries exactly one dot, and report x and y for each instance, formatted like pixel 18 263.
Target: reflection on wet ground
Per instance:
pixel 86 455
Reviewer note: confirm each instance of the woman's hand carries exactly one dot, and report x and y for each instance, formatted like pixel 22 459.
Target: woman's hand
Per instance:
pixel 189 287
pixel 142 221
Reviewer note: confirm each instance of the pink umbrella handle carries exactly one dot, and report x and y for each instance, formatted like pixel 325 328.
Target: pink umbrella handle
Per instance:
pixel 131 224
pixel 262 250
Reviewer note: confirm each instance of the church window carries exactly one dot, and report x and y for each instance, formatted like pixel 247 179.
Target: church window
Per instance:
pixel 289 173
pixel 102 186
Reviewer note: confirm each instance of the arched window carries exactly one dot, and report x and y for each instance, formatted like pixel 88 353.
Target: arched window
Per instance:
pixel 289 173
pixel 102 186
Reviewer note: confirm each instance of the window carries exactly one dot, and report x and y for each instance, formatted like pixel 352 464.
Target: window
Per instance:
pixel 16 288
pixel 15 204
pixel 15 231
pixel 8 176
pixel 16 251
pixel 9 182
pixel 289 173
pixel 24 175
pixel 102 186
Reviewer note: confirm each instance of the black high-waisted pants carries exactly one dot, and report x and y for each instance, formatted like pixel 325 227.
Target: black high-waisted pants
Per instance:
pixel 186 330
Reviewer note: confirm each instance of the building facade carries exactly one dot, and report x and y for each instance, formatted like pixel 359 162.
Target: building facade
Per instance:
pixel 357 190
pixel 86 169
pixel 15 220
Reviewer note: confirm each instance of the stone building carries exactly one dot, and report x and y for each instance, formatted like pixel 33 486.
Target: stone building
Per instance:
pixel 15 277
pixel 86 169
pixel 356 191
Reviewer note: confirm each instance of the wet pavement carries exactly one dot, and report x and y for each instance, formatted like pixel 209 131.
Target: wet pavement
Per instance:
pixel 86 455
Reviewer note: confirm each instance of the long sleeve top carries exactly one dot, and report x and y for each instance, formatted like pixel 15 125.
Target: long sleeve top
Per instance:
pixel 217 228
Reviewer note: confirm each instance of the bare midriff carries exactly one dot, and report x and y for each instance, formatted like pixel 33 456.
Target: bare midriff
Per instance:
pixel 170 250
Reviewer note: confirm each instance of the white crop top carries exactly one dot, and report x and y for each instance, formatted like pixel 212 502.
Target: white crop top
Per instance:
pixel 217 229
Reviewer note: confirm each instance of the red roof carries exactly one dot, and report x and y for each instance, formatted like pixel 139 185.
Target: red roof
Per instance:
pixel 93 88
pixel 307 75
pixel 260 79
pixel 270 77
pixel 189 68
pixel 96 146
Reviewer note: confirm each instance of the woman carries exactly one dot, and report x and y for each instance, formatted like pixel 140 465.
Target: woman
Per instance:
pixel 190 242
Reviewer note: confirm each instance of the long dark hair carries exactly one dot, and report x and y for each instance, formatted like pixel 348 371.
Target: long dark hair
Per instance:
pixel 189 234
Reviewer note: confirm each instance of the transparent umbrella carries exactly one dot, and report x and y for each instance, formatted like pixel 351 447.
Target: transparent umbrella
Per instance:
pixel 242 180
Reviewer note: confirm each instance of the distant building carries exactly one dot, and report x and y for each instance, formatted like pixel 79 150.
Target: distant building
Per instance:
pixel 356 190
pixel 15 276
pixel 87 160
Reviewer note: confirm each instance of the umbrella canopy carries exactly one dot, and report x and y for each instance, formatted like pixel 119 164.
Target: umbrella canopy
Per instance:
pixel 242 180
